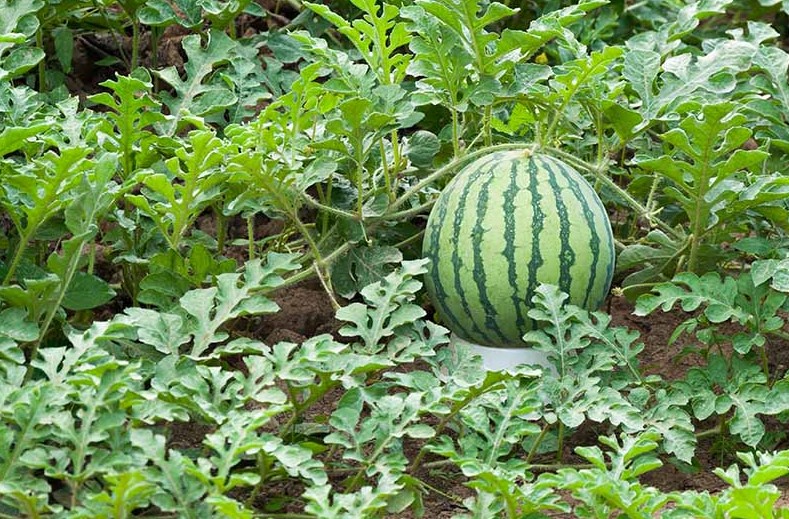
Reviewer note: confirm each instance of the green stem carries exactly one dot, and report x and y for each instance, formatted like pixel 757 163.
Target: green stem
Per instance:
pixel 601 148
pixel 397 158
pixel 560 447
pixel 699 218
pixel 452 166
pixel 326 284
pixel 135 57
pixel 407 241
pixel 536 443
pixel 709 432
pixel 780 333
pixel 511 503
pixel 309 272
pixel 328 200
pixel 155 36
pixel 360 177
pixel 486 129
pixel 92 257
pixel 251 237
pixel 443 494
pixel 20 251
pixel 652 192
pixel 221 230
pixel 42 65
pixel 765 364
pixel 385 167
pixel 455 133
pixel 408 213
pixel 307 236
pixel 328 209
pixel 71 270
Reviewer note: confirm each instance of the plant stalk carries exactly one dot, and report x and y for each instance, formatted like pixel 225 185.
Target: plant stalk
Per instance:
pixel 71 270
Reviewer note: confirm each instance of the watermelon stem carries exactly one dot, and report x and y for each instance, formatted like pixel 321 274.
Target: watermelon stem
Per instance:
pixel 452 166
pixel 360 176
pixel 537 442
pixel 407 213
pixel 385 167
pixel 455 132
pixel 329 209
pixel 560 447
pixel 415 237
pixel 309 272
pixel 486 130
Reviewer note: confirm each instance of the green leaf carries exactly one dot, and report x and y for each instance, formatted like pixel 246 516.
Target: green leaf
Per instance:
pixel 421 148
pixel 18 22
pixel 776 271
pixel 132 112
pixel 362 266
pixel 710 76
pixel 211 307
pixel 87 291
pixel 165 332
pixel 691 292
pixel 177 205
pixel 160 13
pixel 376 35
pixel 245 77
pixel 13 138
pixel 388 307
pixel 640 69
pixel 64 47
pixel 196 94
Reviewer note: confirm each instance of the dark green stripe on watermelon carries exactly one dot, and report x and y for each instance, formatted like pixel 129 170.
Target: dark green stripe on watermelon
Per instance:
pixel 607 249
pixel 509 246
pixel 566 254
pixel 477 332
pixel 506 223
pixel 594 239
pixel 463 327
pixel 432 250
pixel 479 267
pixel 538 219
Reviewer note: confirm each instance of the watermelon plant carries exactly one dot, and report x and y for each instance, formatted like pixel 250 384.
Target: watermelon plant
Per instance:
pixel 222 224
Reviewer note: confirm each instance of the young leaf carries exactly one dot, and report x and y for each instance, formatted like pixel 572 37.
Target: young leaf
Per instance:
pixel 176 205
pixel 362 266
pixel 196 94
pixel 132 112
pixel 18 22
pixel 377 36
pixel 390 307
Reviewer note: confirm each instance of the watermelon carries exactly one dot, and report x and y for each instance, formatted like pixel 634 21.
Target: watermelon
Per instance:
pixel 506 223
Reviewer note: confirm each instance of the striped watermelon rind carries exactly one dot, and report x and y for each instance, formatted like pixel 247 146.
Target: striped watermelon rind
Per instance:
pixel 506 223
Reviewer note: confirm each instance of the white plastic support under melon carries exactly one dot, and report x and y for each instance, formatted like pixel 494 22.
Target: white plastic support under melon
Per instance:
pixel 502 359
